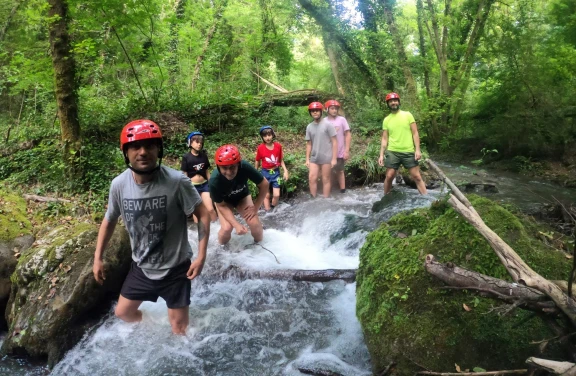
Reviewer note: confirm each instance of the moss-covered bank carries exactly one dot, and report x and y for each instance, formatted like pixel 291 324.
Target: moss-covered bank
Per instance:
pixel 406 318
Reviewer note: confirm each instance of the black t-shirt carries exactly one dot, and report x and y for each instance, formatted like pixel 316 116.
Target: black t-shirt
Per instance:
pixel 232 191
pixel 194 165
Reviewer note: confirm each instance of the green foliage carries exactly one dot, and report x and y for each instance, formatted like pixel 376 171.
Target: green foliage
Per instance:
pixel 402 310
pixel 485 152
pixel 13 219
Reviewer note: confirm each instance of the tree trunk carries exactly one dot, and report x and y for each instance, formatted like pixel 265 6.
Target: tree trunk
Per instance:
pixel 367 8
pixel 65 76
pixel 180 6
pixel 462 79
pixel 328 26
pixel 328 46
pixel 9 19
pixel 396 37
pixel 217 17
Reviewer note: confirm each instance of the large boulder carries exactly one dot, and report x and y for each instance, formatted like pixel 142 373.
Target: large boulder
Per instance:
pixel 54 297
pixel 15 237
pixel 404 315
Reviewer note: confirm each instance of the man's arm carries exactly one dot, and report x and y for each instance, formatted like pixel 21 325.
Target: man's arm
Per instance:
pixel 416 138
pixel 286 175
pixel 334 150
pixel 383 146
pixel 348 141
pixel 104 235
pixel 197 265
pixel 228 215
pixel 308 151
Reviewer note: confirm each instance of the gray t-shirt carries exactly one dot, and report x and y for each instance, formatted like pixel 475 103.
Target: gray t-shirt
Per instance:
pixel 321 136
pixel 155 215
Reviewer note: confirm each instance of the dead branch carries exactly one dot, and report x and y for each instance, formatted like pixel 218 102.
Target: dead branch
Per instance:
pixel 45 199
pixel 452 186
pixel 389 367
pixel 270 83
pixel 318 372
pixel 516 267
pixel 552 366
pixel 461 278
pixel 504 372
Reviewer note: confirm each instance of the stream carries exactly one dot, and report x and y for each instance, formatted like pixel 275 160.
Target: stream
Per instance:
pixel 265 327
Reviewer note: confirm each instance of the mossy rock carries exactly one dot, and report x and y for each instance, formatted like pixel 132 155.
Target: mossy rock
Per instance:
pixel 54 295
pixel 405 317
pixel 13 220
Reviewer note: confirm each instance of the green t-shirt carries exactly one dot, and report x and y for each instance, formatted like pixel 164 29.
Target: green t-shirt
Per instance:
pixel 399 132
pixel 232 191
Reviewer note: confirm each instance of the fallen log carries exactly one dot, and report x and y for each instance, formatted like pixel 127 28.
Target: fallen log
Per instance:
pixel 455 191
pixel 346 275
pixel 44 199
pixel 516 267
pixel 552 366
pixel 466 279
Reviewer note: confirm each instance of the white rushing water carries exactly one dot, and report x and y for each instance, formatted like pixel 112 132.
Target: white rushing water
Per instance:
pixel 255 326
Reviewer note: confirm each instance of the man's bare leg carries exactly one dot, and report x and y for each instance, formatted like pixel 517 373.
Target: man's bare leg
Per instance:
pixel 253 223
pixel 179 319
pixel 326 183
pixel 390 174
pixel 313 178
pixel 420 184
pixel 127 310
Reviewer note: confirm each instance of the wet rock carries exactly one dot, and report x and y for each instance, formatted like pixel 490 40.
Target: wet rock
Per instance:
pixel 430 179
pixel 54 296
pixel 388 200
pixel 9 253
pixel 474 187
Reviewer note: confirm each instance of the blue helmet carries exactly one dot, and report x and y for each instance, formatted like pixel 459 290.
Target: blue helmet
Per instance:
pixel 263 128
pixel 192 134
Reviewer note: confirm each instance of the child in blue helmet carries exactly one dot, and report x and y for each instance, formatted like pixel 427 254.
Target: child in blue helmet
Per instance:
pixel 195 164
pixel 272 157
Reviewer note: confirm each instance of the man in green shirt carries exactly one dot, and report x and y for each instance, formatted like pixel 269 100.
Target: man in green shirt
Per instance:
pixel 400 144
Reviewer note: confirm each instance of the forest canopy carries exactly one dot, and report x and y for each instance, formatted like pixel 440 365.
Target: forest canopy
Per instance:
pixel 476 73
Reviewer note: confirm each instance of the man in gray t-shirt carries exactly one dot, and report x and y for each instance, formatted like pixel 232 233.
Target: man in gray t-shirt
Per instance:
pixel 321 149
pixel 154 202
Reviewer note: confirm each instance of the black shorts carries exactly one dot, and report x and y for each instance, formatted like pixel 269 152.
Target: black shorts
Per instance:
pixel 174 288
pixel 339 164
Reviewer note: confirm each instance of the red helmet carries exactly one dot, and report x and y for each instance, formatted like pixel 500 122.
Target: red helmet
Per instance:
pixel 315 106
pixel 392 96
pixel 137 130
pixel 227 155
pixel 332 102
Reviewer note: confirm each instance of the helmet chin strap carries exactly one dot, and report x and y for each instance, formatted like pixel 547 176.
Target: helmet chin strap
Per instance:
pixel 143 172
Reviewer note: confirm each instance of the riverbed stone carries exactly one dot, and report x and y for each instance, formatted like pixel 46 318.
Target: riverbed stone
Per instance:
pixel 54 297
pixel 431 180
pixel 407 318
